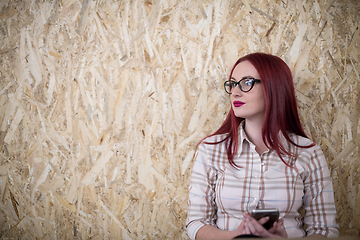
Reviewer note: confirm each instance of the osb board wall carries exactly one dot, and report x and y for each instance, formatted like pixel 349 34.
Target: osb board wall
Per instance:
pixel 102 103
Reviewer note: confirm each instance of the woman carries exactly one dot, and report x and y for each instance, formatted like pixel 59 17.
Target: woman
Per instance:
pixel 260 158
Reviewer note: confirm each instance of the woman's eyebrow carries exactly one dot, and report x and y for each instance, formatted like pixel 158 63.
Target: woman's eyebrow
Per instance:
pixel 242 77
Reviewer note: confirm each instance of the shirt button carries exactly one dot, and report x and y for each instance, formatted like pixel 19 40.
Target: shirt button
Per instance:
pixel 262 164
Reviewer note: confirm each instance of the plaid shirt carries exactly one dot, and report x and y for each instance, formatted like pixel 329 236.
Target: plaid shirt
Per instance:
pixel 220 194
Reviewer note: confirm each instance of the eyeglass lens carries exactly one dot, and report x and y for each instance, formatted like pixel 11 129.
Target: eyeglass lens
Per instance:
pixel 245 85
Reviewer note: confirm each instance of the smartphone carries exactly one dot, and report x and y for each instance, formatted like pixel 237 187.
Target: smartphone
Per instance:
pixel 272 213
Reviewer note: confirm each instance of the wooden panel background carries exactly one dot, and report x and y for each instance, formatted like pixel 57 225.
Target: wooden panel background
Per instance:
pixel 102 103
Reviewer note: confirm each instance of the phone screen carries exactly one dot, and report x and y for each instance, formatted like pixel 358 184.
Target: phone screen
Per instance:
pixel 273 215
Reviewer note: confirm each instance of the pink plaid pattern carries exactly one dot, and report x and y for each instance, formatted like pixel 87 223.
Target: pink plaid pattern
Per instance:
pixel 219 194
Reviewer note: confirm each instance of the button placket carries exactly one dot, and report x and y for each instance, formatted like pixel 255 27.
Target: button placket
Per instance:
pixel 262 166
pixel 257 177
pixel 262 163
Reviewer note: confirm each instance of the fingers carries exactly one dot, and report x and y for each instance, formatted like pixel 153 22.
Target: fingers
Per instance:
pixel 263 220
pixel 255 227
pixel 279 229
pixel 246 225
pixel 247 229
pixel 251 226
pixel 240 229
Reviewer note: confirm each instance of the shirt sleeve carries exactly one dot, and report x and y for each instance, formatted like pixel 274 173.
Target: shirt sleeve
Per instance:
pixel 201 203
pixel 320 216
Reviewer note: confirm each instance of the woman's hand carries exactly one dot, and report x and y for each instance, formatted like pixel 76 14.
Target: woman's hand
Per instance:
pixel 240 229
pixel 255 227
pixel 212 232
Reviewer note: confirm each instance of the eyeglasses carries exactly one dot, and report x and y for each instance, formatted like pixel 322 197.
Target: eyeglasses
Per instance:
pixel 245 84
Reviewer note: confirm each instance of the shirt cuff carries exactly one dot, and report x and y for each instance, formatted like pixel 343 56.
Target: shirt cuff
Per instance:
pixel 193 228
pixel 329 232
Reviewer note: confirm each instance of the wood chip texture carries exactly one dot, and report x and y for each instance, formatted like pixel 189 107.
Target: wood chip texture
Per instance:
pixel 102 103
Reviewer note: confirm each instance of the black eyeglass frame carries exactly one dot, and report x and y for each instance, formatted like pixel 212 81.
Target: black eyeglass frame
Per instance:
pixel 253 81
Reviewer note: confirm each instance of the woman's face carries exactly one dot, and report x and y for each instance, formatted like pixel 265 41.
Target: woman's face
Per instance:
pixel 249 105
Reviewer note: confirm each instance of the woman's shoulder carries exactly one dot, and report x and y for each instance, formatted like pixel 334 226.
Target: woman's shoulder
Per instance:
pixel 301 140
pixel 211 151
pixel 213 139
pixel 309 149
pixel 212 143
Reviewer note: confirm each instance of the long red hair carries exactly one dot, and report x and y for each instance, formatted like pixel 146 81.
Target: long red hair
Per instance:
pixel 281 111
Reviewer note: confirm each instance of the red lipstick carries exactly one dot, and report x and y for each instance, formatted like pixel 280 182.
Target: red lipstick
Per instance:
pixel 238 103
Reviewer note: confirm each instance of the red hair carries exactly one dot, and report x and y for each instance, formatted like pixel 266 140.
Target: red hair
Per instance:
pixel 281 111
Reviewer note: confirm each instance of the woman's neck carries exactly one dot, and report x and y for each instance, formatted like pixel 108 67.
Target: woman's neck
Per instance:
pixel 253 130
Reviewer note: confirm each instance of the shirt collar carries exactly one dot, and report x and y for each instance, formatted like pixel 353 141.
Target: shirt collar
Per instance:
pixel 242 137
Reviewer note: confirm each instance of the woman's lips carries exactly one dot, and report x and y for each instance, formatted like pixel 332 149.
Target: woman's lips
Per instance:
pixel 238 103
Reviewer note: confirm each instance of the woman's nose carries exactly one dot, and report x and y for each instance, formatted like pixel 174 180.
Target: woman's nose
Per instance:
pixel 236 91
